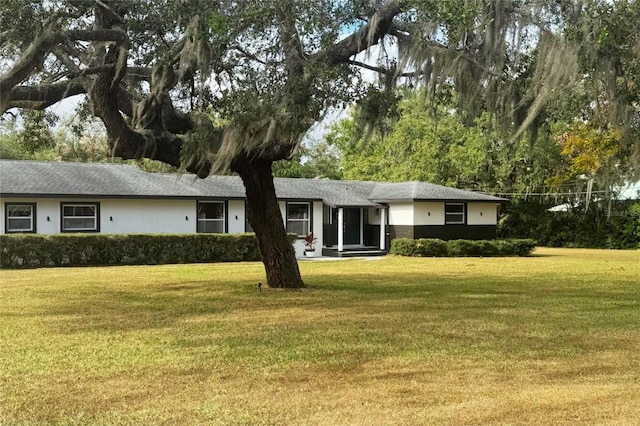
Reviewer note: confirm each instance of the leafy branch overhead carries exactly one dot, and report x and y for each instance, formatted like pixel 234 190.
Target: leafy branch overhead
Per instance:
pixel 156 72
pixel 150 81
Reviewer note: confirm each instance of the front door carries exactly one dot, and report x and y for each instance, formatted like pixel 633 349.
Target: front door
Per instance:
pixel 352 224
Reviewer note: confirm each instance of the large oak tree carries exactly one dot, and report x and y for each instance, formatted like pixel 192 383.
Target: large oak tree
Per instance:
pixel 160 73
pixel 233 85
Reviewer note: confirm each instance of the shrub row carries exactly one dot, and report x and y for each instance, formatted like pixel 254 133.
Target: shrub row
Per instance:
pixel 23 251
pixel 576 228
pixel 426 247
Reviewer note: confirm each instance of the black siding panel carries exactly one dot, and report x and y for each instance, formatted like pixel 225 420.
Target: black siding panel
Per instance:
pixel 371 235
pixel 330 234
pixel 401 231
pixel 456 232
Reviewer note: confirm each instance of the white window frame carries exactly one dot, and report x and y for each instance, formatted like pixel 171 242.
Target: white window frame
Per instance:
pixel 9 218
pixel 222 220
pixel 96 217
pixel 307 220
pixel 461 214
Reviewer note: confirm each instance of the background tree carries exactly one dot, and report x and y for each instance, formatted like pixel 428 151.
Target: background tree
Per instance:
pixel 72 140
pixel 318 161
pixel 593 156
pixel 36 134
pixel 436 146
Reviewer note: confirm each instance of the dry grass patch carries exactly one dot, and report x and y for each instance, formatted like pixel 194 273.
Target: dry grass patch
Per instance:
pixel 550 339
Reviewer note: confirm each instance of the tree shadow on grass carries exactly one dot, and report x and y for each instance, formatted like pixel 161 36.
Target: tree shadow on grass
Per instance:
pixel 123 309
pixel 172 303
pixel 344 322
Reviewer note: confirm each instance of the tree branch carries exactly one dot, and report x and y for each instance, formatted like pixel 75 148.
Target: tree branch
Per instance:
pixel 64 58
pixel 36 52
pixel 249 55
pixel 46 95
pixel 385 71
pixel 112 14
pixel 367 36
pixel 291 45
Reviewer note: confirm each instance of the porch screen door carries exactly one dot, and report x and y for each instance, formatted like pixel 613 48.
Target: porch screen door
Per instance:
pixel 352 226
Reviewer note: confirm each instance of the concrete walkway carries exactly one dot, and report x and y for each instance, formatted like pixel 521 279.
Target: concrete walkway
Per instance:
pixel 331 258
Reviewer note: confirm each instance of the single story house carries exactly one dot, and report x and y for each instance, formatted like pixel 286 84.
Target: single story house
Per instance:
pixel 347 217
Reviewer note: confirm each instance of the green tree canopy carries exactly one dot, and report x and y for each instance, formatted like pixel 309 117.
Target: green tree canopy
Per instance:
pixel 436 146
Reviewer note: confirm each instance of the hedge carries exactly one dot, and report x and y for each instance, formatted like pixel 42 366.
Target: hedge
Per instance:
pixel 576 228
pixel 25 251
pixel 426 247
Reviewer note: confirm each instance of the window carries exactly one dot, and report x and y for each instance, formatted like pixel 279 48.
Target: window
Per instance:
pixel 298 218
pixel 454 213
pixel 78 217
pixel 20 218
pixel 211 217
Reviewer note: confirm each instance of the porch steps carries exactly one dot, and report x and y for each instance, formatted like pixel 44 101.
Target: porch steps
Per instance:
pixel 354 252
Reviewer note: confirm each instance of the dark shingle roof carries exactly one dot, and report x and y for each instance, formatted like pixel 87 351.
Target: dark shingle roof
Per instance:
pixel 387 191
pixel 332 192
pixel 84 179
pixel 213 186
pixel 49 179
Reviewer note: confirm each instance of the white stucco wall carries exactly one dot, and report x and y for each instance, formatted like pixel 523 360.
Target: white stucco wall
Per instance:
pixel 432 213
pixel 374 215
pixel 428 213
pixel 482 213
pixel 148 216
pixel 118 216
pixel 317 226
pixel 401 214
pixel 236 216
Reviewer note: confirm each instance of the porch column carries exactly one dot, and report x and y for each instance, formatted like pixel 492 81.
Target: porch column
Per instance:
pixel 383 228
pixel 340 229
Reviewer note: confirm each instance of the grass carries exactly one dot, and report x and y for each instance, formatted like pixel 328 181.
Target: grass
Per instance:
pixel 549 339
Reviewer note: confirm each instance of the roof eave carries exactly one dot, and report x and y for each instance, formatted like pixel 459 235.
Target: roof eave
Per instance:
pixel 463 200
pixel 120 196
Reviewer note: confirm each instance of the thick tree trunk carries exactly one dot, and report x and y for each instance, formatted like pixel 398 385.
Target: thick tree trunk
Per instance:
pixel 264 216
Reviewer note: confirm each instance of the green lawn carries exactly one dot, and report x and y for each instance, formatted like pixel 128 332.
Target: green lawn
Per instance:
pixel 549 339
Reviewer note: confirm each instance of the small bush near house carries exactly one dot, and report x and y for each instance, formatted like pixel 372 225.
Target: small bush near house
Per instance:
pixel 24 251
pixel 460 248
pixel 431 247
pixel 405 247
pixel 424 247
